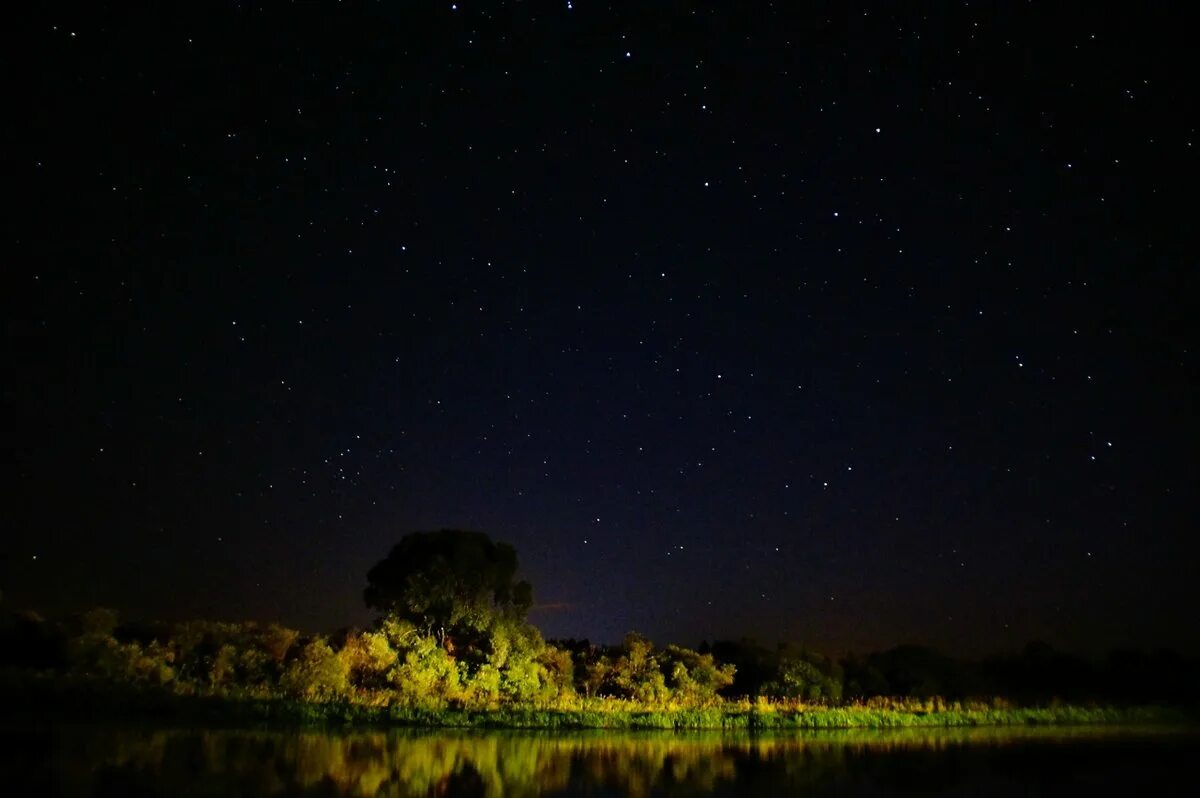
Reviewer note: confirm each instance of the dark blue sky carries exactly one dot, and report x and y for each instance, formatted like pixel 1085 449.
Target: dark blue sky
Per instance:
pixel 850 325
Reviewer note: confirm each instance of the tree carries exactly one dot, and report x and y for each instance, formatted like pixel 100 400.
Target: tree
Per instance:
pixel 636 674
pixel 805 675
pixel 801 679
pixel 695 678
pixel 449 582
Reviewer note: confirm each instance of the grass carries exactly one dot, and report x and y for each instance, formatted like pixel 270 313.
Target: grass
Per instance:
pixel 92 699
pixel 290 713
pixel 725 719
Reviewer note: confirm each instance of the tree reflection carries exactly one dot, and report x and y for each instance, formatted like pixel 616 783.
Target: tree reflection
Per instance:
pixel 488 764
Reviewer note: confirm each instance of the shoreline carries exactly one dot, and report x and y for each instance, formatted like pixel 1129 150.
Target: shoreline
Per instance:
pixel 73 702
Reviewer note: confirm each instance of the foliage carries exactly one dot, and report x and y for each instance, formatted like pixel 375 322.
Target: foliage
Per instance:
pixel 636 674
pixel 449 582
pixel 695 679
pixel 801 674
pixel 454 648
pixel 397 673
pixel 368 657
pixel 318 674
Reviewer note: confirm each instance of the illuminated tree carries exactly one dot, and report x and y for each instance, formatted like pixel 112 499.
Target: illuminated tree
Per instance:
pixel 636 674
pixel 449 582
pixel 695 678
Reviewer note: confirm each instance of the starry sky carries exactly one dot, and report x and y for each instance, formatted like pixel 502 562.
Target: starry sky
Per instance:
pixel 848 324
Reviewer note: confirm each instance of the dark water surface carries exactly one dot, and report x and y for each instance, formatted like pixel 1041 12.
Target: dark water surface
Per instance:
pixel 143 761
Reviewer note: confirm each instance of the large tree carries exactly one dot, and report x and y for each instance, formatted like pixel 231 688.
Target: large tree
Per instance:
pixel 449 582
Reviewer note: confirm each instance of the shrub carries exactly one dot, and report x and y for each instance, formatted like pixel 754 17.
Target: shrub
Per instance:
pixel 317 674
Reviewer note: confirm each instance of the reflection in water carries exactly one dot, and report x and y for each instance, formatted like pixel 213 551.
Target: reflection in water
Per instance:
pixel 138 761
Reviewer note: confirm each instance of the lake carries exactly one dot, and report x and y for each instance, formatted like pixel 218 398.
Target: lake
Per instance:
pixel 147 761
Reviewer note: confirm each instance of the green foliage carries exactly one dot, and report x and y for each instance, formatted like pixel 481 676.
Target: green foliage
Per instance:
pixel 277 641
pixel 426 676
pixel 695 679
pixel 801 676
pixel 520 657
pixel 636 674
pixel 593 673
pixel 482 689
pixel 102 656
pixel 368 657
pixel 318 674
pixel 397 673
pixel 449 582
pixel 558 670
pixel 454 648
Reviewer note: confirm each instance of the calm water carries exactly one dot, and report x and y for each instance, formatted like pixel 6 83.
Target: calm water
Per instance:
pixel 139 761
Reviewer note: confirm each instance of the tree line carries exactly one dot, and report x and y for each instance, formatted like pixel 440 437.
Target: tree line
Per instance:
pixel 452 632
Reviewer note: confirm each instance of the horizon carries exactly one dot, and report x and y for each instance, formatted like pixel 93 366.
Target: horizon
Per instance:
pixel 1093 655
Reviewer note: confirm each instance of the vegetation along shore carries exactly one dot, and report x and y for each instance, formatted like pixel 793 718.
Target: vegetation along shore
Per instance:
pixel 452 647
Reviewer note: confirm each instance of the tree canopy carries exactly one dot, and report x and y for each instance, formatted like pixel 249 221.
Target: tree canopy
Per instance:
pixel 449 581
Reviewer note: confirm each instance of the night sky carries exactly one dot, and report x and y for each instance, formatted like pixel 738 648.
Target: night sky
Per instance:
pixel 849 325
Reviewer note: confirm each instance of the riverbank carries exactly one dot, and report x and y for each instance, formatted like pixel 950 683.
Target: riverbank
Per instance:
pixel 732 718
pixel 89 701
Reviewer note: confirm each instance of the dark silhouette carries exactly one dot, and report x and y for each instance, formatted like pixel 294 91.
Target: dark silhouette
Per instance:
pixel 449 582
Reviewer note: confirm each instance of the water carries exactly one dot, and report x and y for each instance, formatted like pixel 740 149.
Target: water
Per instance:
pixel 141 761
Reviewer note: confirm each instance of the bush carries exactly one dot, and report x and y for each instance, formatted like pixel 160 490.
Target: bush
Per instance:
pixel 318 674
